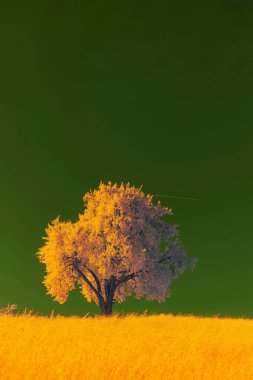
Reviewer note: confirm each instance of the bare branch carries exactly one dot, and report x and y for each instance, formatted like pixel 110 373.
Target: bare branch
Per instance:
pixel 163 259
pixel 124 279
pixel 95 278
pixel 129 277
pixel 75 265
pixel 76 261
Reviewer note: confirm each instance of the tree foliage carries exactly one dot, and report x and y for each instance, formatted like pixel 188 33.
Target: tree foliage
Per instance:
pixel 114 249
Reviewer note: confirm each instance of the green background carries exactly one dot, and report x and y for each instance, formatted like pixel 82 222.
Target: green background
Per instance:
pixel 158 93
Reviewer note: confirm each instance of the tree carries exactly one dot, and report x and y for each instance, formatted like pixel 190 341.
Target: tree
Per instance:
pixel 118 245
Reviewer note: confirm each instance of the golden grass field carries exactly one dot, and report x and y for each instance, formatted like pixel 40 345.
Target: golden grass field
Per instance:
pixel 131 347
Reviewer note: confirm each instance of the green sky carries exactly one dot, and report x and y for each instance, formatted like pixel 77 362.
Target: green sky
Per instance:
pixel 155 93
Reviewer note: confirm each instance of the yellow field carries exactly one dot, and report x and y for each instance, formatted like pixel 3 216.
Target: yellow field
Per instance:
pixel 133 347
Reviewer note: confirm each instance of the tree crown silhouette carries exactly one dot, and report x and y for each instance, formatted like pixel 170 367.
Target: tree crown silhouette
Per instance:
pixel 118 246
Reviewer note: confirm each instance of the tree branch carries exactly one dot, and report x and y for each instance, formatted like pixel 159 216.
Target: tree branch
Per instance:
pixel 124 279
pixel 76 261
pixel 163 259
pixel 75 265
pixel 128 277
pixel 95 278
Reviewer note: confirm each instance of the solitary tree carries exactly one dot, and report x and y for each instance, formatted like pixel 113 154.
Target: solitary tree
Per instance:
pixel 118 245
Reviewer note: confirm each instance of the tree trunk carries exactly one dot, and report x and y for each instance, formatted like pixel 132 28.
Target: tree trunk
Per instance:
pixel 107 303
pixel 107 309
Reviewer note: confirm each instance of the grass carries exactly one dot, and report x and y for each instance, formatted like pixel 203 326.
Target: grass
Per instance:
pixel 124 347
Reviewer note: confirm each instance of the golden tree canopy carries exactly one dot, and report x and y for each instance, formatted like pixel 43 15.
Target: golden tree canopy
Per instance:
pixel 117 238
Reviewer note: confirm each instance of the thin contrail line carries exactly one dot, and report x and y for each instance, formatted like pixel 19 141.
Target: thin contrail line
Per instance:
pixel 173 196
